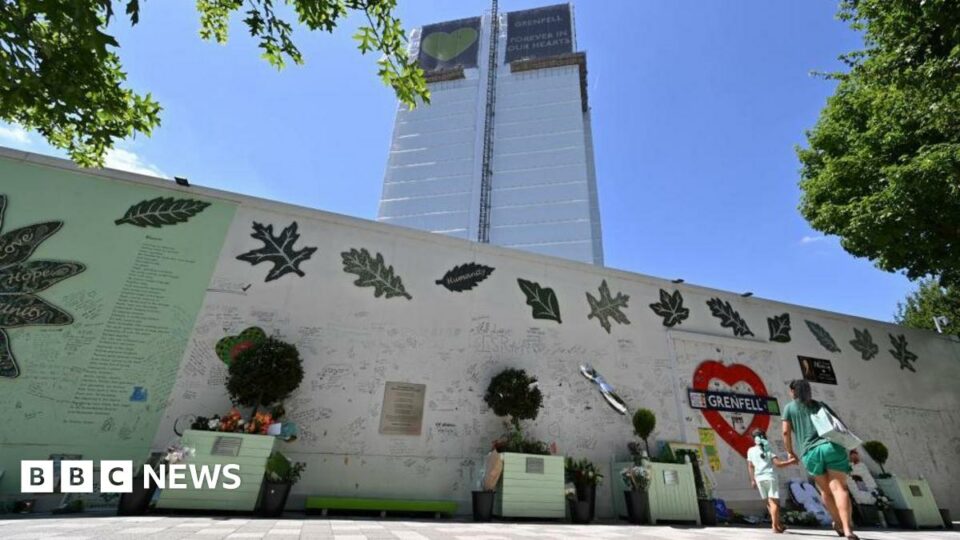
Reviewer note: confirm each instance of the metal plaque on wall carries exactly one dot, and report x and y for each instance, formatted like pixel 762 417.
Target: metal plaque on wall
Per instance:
pixel 817 370
pixel 402 412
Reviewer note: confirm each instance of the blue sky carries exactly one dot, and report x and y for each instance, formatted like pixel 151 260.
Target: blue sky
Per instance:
pixel 697 107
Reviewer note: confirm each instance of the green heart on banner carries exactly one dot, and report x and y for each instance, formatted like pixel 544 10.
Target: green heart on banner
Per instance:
pixel 446 46
pixel 229 347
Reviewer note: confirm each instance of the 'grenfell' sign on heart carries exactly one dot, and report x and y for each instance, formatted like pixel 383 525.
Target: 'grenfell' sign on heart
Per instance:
pixel 730 402
pixel 450 44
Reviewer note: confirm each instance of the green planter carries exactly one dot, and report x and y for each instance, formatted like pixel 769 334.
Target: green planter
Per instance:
pixel 531 486
pixel 672 492
pixel 914 495
pixel 250 452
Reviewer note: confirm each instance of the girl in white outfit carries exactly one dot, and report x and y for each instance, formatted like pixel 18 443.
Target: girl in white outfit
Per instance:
pixel 763 465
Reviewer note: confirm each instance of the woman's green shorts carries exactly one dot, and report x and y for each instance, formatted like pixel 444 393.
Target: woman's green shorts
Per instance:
pixel 825 457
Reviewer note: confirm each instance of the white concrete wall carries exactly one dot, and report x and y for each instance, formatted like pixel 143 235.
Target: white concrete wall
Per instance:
pixel 352 343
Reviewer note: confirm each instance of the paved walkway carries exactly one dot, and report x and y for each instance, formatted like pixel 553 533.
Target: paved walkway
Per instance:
pixel 170 527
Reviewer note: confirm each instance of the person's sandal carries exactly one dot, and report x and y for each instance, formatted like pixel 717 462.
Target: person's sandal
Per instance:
pixel 839 530
pixel 852 537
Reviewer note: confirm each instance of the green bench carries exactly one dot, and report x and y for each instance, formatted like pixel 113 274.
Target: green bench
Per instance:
pixel 324 504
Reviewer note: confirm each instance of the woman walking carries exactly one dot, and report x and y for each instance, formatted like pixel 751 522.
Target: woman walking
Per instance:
pixel 763 464
pixel 824 460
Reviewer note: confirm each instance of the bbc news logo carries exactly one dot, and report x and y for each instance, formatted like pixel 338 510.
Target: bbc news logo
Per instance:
pixel 117 476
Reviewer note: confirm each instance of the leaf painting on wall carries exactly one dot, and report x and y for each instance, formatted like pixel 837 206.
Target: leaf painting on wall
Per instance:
pixel 373 272
pixel 279 250
pixel 779 326
pixel 729 318
pixel 822 336
pixel 161 211
pixel 670 307
pixel 542 299
pixel 864 344
pixel 465 277
pixel 900 352
pixel 20 281
pixel 608 307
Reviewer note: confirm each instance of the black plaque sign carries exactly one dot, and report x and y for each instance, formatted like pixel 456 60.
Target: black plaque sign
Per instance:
pixel 817 370
pixel 450 44
pixel 539 33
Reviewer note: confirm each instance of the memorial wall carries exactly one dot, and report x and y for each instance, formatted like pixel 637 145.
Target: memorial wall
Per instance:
pixel 115 290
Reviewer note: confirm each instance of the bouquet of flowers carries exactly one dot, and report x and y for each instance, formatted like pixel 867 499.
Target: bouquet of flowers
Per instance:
pixel 794 517
pixel 177 453
pixel 883 502
pixel 570 491
pixel 636 477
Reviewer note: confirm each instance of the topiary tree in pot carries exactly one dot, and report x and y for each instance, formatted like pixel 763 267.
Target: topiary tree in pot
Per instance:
pixel 264 374
pixel 514 394
pixel 644 422
pixel 878 452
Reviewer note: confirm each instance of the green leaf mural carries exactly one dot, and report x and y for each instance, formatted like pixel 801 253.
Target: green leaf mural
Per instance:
pixel 161 211
pixel 230 346
pixel 670 307
pixel 607 307
pixel 278 250
pixel 864 344
pixel 779 326
pixel 823 336
pixel 373 272
pixel 21 279
pixel 900 352
pixel 542 299
pixel 729 318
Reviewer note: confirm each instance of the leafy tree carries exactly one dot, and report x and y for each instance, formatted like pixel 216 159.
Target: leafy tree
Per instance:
pixel 644 421
pixel 928 301
pixel 60 74
pixel 882 169
pixel 264 374
pixel 877 452
pixel 515 394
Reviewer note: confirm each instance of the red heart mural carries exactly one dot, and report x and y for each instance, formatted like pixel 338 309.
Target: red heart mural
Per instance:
pixel 732 374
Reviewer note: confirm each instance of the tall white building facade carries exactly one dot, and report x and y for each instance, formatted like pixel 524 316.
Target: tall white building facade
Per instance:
pixel 504 152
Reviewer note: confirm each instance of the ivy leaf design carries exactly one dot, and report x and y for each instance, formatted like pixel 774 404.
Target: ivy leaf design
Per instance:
pixel 373 272
pixel 900 352
pixel 278 250
pixel 161 211
pixel 864 344
pixel 729 318
pixel 608 307
pixel 21 279
pixel 779 326
pixel 670 307
pixel 822 336
pixel 8 364
pixel 542 299
pixel 465 277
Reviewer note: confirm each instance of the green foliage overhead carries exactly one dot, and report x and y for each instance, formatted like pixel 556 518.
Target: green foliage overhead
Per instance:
pixel 877 452
pixel 61 76
pixel 928 301
pixel 882 166
pixel 515 394
pixel 264 374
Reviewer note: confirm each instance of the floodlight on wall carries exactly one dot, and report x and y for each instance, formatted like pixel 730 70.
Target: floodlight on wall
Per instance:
pixel 747 294
pixel 678 280
pixel 181 181
pixel 940 322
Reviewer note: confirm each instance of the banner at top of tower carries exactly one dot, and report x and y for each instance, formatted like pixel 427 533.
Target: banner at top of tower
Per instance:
pixel 450 44
pixel 539 33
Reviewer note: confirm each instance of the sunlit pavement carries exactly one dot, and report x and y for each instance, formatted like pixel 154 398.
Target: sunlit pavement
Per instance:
pixel 171 527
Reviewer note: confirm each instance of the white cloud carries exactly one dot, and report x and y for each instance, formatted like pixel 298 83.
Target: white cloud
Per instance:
pixel 14 134
pixel 125 160
pixel 812 239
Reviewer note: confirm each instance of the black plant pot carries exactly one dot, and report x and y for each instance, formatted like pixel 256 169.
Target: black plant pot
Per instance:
pixel 708 512
pixel 274 498
pixel 579 511
pixel 638 507
pixel 588 493
pixel 906 519
pixel 947 520
pixel 483 505
pixel 136 502
pixel 866 515
pixel 890 516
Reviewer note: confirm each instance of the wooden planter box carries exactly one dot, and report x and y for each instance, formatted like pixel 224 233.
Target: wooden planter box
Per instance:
pixel 531 486
pixel 672 492
pixel 250 452
pixel 910 494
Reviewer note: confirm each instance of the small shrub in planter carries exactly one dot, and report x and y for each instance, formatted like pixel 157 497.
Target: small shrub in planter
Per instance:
pixel 878 452
pixel 281 475
pixel 264 374
pixel 514 394
pixel 644 422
